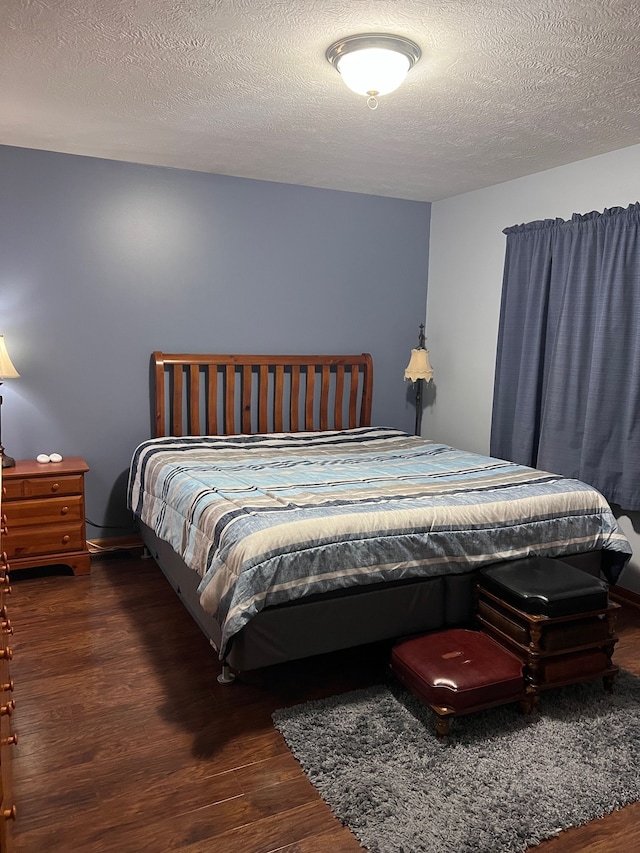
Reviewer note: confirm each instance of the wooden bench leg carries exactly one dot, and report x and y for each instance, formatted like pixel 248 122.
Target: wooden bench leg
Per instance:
pixel 443 722
pixel 529 703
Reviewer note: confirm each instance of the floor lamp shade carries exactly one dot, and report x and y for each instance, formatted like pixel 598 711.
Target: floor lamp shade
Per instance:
pixel 419 366
pixel 7 371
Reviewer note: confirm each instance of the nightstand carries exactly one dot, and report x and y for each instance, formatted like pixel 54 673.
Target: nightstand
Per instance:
pixel 43 514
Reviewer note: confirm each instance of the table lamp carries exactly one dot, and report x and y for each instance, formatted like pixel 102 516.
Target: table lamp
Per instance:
pixel 7 371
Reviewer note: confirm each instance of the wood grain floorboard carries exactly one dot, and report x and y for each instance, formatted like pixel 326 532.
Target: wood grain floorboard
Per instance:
pixel 128 744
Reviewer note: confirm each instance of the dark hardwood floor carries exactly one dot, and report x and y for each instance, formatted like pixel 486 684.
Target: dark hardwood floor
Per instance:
pixel 128 743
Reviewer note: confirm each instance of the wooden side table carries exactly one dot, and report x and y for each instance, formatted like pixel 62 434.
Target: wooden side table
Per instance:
pixel 43 514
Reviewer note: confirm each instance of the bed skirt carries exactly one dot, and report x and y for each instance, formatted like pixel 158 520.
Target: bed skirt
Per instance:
pixel 333 621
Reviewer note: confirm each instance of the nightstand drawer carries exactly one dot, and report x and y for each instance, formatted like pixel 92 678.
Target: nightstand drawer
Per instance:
pixel 19 514
pixel 50 539
pixel 34 487
pixel 11 489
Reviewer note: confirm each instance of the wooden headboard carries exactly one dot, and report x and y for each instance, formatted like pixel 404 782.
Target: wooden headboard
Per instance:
pixel 231 394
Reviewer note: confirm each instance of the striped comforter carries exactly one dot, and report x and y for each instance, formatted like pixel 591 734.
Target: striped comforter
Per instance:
pixel 265 519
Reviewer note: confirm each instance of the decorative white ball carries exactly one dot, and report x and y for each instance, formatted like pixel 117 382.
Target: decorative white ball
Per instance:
pixel 42 457
pixel 55 457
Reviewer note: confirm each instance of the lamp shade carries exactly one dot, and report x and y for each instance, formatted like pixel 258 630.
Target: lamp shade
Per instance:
pixel 419 366
pixel 7 370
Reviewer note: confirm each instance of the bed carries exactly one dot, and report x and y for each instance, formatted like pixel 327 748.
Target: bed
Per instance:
pixel 290 526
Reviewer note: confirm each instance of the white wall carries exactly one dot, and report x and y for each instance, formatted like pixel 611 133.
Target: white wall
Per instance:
pixel 465 280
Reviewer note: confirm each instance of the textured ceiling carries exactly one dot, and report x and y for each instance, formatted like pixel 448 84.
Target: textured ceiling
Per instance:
pixel 242 87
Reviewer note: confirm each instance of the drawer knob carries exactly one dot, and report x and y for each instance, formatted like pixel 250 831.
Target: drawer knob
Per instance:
pixel 7 686
pixel 64 510
pixel 6 654
pixel 65 539
pixel 55 487
pixel 6 626
pixel 9 741
pixel 9 814
pixel 8 709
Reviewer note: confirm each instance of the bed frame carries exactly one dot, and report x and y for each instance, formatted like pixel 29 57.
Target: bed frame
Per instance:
pixel 229 394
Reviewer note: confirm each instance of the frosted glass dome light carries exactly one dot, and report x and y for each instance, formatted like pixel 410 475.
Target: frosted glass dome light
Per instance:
pixel 373 64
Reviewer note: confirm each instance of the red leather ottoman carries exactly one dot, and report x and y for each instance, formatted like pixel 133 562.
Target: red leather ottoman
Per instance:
pixel 459 671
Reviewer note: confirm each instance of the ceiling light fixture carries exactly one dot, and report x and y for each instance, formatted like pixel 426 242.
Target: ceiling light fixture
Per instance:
pixel 373 64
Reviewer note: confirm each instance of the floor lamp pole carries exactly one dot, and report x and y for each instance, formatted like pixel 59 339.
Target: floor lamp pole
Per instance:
pixel 418 405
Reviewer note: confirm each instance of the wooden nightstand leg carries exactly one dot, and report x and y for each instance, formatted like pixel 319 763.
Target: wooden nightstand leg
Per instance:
pixel 80 565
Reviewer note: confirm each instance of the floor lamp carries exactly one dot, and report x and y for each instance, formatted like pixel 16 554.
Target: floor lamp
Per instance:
pixel 7 371
pixel 419 370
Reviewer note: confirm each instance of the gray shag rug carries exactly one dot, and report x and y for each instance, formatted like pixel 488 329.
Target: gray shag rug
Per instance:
pixel 500 783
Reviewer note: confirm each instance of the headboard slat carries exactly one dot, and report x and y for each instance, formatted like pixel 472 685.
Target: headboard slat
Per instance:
pixel 194 400
pixel 211 380
pixel 278 403
pixel 324 396
pixel 294 406
pixel 309 399
pixel 229 399
pixel 337 410
pixel 263 399
pixel 176 401
pixel 353 396
pixel 259 393
pixel 246 398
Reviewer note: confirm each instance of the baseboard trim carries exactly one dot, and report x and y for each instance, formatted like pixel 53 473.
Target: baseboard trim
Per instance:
pixel 627 596
pixel 98 547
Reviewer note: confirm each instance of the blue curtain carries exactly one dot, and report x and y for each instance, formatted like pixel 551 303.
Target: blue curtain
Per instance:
pixel 567 382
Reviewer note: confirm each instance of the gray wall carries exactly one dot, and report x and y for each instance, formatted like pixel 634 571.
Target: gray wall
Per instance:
pixel 465 282
pixel 103 262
